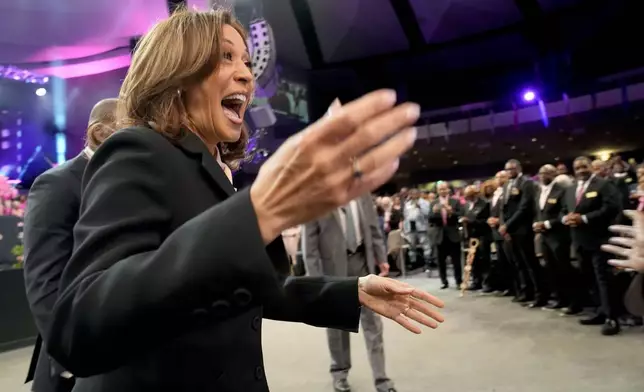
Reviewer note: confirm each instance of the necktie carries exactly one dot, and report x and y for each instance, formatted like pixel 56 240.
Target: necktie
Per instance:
pixel 350 231
pixel 580 192
pixel 444 215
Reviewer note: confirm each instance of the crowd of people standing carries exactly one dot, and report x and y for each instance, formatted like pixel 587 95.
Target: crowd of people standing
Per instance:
pixel 539 237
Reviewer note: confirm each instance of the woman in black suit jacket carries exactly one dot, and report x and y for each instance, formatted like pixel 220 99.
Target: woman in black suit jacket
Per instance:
pixel 173 270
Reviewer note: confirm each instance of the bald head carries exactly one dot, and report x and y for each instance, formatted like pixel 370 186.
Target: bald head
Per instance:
pixel 501 177
pixel 102 122
pixel 547 174
pixel 104 112
pixel 599 168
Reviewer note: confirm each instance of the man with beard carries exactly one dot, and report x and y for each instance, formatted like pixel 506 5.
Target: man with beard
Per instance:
pixel 592 204
pixel 518 215
pixel 555 241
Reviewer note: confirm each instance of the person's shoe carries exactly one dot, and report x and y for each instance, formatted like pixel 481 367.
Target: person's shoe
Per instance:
pixel 487 290
pixel 611 327
pixel 595 320
pixel 444 286
pixel 555 306
pixel 521 299
pixel 504 293
pixel 341 386
pixel 538 304
pixel 571 310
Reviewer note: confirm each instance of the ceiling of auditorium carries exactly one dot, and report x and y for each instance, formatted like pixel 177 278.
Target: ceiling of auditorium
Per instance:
pixel 310 34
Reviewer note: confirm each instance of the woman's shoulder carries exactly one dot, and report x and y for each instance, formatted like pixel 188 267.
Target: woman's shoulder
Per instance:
pixel 138 134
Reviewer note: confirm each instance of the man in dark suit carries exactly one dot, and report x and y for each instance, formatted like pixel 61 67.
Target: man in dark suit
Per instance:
pixel 518 216
pixel 555 241
pixel 356 226
pixel 443 221
pixel 52 211
pixel 474 220
pixel 592 204
pixel 502 274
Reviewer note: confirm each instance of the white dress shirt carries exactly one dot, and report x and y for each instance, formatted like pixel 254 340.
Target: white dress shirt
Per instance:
pixel 498 192
pixel 545 192
pixel 355 211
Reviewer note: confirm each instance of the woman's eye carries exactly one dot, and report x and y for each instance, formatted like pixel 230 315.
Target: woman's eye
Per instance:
pixel 249 64
pixel 228 56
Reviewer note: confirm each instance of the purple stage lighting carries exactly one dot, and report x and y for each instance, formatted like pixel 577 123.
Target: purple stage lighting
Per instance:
pixel 529 96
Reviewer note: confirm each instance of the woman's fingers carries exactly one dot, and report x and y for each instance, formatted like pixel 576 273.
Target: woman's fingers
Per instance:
pixel 347 118
pixel 622 241
pixel 377 129
pixel 385 156
pixel 616 250
pixel 427 297
pixel 620 263
pixel 421 318
pixel 407 323
pixel 424 308
pixel 624 230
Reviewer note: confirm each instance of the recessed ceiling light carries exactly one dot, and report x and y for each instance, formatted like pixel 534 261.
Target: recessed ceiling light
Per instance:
pixel 424 166
pixel 513 147
pixel 543 146
pixel 415 152
pixel 570 139
pixel 443 149
pixel 556 158
pixel 534 139
pixel 456 162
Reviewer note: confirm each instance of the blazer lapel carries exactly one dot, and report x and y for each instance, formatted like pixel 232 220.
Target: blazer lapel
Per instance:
pixel 193 145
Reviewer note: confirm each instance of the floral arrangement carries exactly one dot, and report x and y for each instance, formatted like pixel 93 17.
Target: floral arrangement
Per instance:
pixel 7 191
pixel 18 251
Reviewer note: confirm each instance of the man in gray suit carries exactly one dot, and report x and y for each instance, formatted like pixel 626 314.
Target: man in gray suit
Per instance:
pixel 349 242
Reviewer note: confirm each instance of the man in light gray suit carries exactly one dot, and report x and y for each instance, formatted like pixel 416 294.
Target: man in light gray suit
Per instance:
pixel 349 242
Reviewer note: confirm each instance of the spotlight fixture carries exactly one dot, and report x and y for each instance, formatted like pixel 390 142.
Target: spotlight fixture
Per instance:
pixel 529 96
pixel 41 91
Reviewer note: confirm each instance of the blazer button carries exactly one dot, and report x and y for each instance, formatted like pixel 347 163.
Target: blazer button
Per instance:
pixel 259 373
pixel 257 323
pixel 242 297
pixel 220 308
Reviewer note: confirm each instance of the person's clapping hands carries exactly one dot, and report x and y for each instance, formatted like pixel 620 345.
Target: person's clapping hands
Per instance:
pixel 630 246
pixel 400 302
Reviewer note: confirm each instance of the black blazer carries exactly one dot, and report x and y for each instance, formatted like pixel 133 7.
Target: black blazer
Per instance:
pixel 170 278
pixel 600 204
pixel 518 210
pixel 496 211
pixel 52 211
pixel 436 222
pixel 477 226
pixel 558 233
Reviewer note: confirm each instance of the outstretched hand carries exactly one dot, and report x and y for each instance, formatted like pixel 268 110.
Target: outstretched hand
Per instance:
pixel 630 245
pixel 400 302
